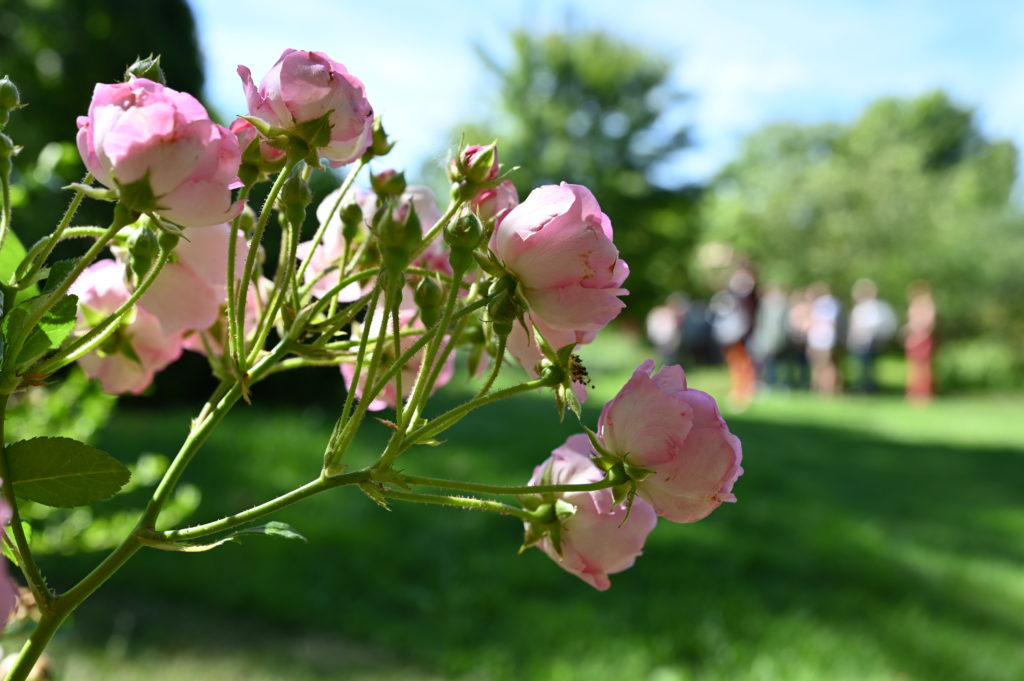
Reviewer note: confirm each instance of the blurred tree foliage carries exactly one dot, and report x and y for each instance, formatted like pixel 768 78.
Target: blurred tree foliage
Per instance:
pixel 56 51
pixel 910 190
pixel 588 108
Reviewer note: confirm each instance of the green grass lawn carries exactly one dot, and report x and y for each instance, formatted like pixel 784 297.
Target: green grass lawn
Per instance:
pixel 872 540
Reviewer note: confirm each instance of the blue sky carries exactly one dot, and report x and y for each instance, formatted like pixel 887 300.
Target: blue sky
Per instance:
pixel 745 63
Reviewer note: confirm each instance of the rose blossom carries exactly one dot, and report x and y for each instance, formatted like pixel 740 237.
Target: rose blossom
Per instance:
pixel 495 203
pixel 127 361
pixel 304 86
pixel 188 293
pixel 599 538
pixel 142 130
pixel 559 246
pixel 657 423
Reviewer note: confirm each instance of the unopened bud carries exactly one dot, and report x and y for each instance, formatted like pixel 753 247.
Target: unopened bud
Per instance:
pixel 429 297
pixel 148 67
pixel 351 219
pixel 8 149
pixel 142 248
pixel 399 231
pixel 501 312
pixel 296 197
pixel 388 183
pixel 168 240
pixel 247 220
pixel 428 293
pixel 464 233
pixel 10 99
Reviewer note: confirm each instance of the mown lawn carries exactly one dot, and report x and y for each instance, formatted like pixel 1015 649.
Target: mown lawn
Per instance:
pixel 872 541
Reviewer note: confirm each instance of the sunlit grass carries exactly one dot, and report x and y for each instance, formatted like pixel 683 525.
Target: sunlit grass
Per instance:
pixel 872 540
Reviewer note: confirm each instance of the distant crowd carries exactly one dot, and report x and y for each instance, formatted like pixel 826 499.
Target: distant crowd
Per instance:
pixel 774 338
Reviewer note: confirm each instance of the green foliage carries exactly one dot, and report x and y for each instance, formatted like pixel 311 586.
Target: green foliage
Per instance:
pixel 837 562
pixel 59 471
pixel 980 363
pixel 591 109
pixel 48 333
pixel 911 190
pixel 55 51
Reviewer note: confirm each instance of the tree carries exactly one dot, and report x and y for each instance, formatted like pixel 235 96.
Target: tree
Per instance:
pixel 56 51
pixel 591 109
pixel 910 190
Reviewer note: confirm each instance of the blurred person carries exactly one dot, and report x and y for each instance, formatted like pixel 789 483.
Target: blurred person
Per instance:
pixel 872 324
pixel 732 314
pixel 798 322
pixel 919 341
pixel 664 325
pixel 822 334
pixel 697 344
pixel 769 338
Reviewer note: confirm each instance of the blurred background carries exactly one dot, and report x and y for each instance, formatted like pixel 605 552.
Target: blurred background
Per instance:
pixel 821 210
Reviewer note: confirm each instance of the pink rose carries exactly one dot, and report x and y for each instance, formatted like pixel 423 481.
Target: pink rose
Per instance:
pixel 598 539
pixel 304 86
pixel 495 203
pixel 657 423
pixel 188 293
pixel 476 163
pixel 143 130
pixel 8 587
pixel 128 360
pixel 388 396
pixel 559 246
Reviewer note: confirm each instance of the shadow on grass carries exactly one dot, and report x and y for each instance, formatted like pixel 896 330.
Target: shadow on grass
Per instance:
pixel 849 556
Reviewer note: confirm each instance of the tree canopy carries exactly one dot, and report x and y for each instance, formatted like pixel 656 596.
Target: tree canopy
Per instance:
pixel 591 109
pixel 910 190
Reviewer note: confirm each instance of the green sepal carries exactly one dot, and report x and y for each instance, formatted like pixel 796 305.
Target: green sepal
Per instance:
pixel 489 264
pixel 98 193
pixel 138 195
pixel 373 491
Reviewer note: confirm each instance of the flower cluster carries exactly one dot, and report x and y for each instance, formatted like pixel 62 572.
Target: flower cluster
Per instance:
pixel 387 289
pixel 660 449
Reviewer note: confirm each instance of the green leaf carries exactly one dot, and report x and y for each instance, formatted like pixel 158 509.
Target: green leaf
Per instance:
pixel 59 471
pixel 11 256
pixel 59 271
pixel 51 330
pixel 8 547
pixel 273 529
